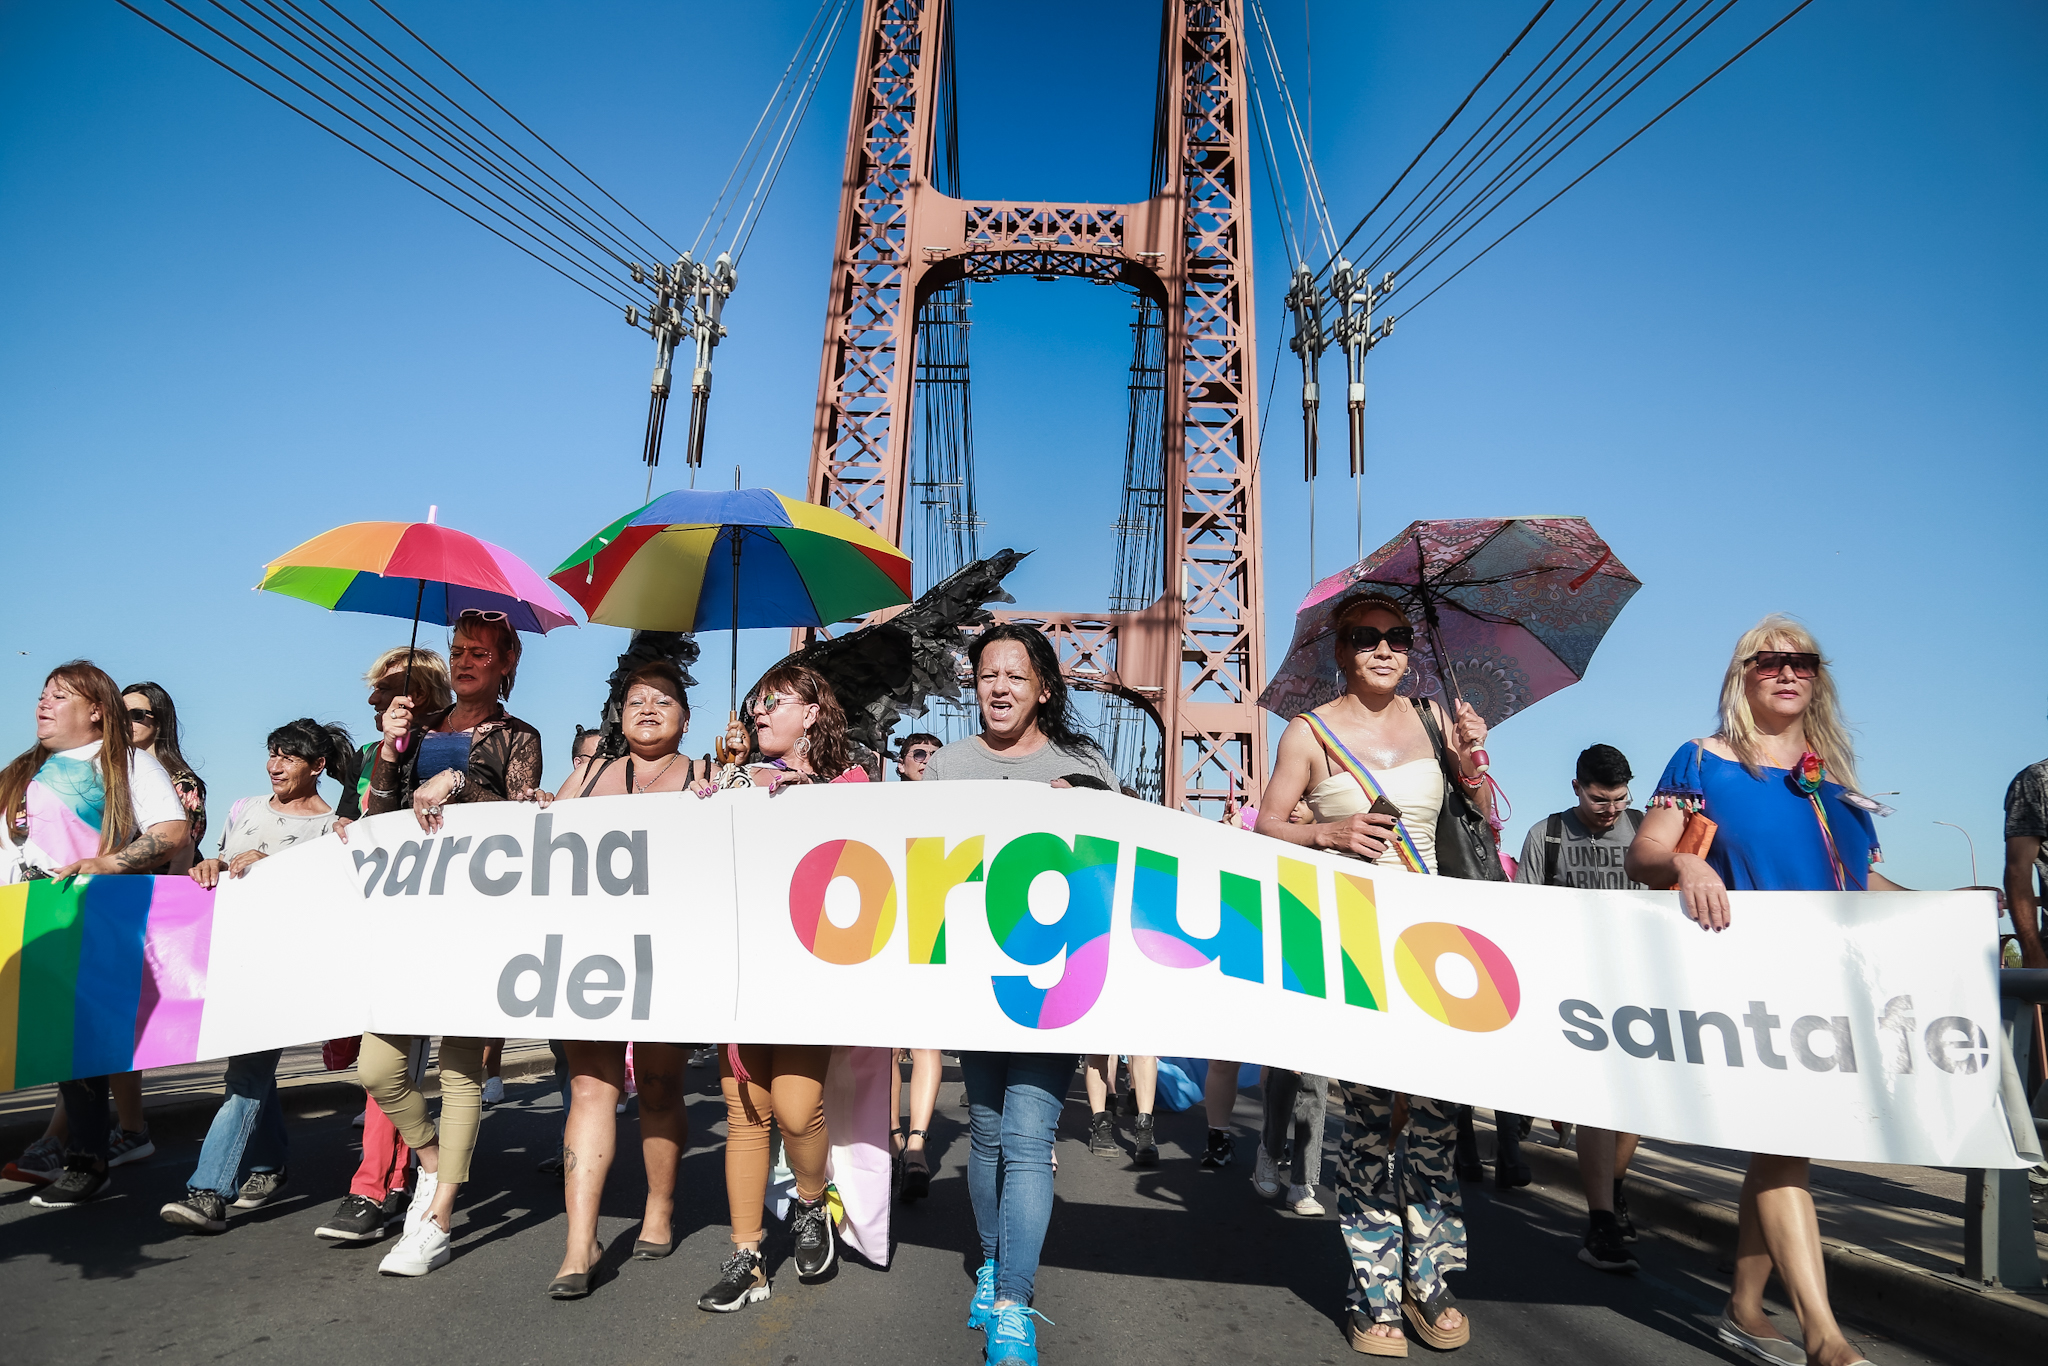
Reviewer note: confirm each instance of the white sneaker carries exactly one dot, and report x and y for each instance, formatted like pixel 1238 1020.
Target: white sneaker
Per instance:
pixel 494 1090
pixel 1302 1200
pixel 422 1201
pixel 1266 1174
pixel 424 1248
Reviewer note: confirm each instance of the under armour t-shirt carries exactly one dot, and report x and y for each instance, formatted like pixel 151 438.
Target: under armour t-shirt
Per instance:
pixel 1583 858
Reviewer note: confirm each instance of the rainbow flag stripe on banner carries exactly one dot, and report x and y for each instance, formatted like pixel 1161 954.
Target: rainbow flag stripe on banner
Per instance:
pixel 101 974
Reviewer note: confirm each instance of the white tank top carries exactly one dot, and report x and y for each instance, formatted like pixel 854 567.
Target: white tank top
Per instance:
pixel 1417 787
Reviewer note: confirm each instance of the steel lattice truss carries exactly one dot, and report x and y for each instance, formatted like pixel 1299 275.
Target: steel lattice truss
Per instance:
pixel 1194 658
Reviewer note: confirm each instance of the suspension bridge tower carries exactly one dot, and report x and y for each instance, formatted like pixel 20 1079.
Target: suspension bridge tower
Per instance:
pixel 1193 660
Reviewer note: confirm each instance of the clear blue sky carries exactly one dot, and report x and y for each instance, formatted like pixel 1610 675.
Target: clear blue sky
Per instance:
pixel 1784 352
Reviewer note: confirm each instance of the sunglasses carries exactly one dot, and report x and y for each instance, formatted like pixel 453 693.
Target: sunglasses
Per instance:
pixel 142 716
pixel 1768 662
pixel 479 614
pixel 1362 638
pixel 921 754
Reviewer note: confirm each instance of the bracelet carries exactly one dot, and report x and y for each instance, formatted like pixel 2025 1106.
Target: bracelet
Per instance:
pixel 461 781
pixel 1479 781
pixel 383 792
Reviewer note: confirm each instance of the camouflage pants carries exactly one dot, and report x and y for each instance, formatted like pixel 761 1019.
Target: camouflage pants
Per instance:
pixel 1417 1237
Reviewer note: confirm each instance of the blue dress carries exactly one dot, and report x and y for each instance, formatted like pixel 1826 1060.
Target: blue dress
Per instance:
pixel 1769 838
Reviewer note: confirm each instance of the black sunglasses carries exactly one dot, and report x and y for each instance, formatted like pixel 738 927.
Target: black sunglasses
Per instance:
pixel 142 716
pixel 1770 662
pixel 920 753
pixel 1362 638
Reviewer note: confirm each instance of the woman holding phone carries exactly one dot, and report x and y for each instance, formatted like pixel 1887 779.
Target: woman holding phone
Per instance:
pixel 1371 765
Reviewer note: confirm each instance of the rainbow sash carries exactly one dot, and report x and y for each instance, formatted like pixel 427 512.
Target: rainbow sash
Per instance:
pixel 1404 844
pixel 101 974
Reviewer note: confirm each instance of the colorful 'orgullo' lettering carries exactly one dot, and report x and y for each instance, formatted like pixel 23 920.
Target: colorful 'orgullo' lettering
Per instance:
pixel 1239 942
pixel 1358 943
pixel 870 873
pixel 931 873
pixel 1301 929
pixel 1089 867
pixel 1489 1008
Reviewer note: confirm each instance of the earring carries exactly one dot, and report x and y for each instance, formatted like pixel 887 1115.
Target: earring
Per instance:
pixel 803 744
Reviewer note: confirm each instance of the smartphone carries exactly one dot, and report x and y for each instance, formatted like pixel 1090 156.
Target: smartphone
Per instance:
pixel 1382 807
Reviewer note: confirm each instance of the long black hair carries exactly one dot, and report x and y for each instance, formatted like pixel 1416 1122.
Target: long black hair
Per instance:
pixel 168 752
pixel 1055 717
pixel 307 739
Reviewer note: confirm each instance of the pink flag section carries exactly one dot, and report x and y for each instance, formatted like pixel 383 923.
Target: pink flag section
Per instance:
pixel 175 946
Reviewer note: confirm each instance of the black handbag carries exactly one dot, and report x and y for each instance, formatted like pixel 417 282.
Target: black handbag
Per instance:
pixel 1465 846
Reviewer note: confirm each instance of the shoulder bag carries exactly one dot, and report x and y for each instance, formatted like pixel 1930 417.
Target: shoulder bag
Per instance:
pixel 1465 846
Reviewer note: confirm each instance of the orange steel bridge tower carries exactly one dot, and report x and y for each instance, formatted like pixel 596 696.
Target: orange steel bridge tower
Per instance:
pixel 1194 659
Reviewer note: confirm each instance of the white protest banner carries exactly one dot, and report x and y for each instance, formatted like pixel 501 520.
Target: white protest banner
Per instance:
pixel 995 915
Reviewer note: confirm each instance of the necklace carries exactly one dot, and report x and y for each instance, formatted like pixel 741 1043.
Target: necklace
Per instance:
pixel 642 787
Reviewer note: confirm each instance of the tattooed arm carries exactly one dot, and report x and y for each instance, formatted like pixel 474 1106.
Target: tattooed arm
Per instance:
pixel 147 850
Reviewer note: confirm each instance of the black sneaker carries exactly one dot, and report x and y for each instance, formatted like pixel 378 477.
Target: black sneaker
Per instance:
pixel 78 1184
pixel 741 1281
pixel 261 1188
pixel 1144 1142
pixel 816 1247
pixel 1102 1134
pixel 1604 1251
pixel 1628 1225
pixel 1221 1146
pixel 1514 1177
pixel 358 1220
pixel 200 1210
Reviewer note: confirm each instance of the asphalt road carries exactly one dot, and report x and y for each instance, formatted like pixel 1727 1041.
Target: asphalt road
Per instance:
pixel 1171 1265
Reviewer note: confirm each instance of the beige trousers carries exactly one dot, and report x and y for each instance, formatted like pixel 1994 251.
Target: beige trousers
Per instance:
pixel 386 1074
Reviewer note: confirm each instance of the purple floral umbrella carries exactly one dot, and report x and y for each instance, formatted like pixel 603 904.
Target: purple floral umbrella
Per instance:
pixel 1511 608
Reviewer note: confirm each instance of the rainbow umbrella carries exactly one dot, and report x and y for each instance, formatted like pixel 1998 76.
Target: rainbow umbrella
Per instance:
pixel 414 569
pixel 708 560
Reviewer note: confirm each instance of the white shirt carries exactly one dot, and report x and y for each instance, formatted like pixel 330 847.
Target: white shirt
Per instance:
pixel 150 791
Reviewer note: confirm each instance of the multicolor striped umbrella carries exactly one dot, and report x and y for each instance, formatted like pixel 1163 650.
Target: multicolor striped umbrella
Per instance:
pixel 711 560
pixel 417 570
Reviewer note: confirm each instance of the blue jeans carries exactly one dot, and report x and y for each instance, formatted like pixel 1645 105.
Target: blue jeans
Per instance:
pixel 251 1118
pixel 1014 1102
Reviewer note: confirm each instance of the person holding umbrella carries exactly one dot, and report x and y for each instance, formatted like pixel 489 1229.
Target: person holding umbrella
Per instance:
pixel 1371 766
pixel 473 751
pixel 1767 803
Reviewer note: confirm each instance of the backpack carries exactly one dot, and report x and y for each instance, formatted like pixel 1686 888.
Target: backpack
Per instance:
pixel 1553 841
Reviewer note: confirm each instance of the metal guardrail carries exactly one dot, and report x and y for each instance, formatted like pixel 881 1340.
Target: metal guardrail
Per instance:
pixel 1999 1247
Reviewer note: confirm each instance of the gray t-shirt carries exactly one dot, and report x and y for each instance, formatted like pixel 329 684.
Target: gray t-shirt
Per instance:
pixel 254 825
pixel 1583 859
pixel 970 758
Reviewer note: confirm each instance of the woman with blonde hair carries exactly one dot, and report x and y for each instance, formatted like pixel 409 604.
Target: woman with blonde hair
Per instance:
pixel 472 751
pixel 1375 769
pixel 800 732
pixel 1767 803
